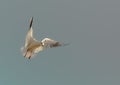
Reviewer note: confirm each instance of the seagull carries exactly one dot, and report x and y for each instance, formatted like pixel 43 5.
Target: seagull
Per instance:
pixel 33 46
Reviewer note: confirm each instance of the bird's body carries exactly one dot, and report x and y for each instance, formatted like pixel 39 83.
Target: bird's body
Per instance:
pixel 33 46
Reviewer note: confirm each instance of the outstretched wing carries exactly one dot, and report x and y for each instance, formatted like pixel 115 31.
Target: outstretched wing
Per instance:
pixel 29 36
pixel 49 43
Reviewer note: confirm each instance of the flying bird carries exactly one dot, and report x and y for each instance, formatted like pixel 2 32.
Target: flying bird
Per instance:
pixel 33 46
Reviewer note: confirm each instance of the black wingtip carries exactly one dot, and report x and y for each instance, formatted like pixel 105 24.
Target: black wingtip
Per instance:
pixel 31 21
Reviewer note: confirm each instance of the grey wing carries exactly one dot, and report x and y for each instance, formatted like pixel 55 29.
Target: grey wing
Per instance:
pixel 49 43
pixel 29 36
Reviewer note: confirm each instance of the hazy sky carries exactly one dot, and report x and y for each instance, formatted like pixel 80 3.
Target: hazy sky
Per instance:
pixel 92 27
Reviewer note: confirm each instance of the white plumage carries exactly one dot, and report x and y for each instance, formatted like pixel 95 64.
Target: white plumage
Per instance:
pixel 33 46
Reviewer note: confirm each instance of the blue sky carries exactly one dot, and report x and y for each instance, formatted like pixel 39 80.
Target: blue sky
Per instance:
pixel 90 26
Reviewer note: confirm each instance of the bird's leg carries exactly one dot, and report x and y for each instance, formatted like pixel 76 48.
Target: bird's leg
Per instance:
pixel 29 57
pixel 25 54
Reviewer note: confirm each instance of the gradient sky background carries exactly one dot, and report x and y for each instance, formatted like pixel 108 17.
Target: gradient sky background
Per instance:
pixel 91 26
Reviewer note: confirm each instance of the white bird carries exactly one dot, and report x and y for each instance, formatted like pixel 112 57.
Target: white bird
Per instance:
pixel 33 46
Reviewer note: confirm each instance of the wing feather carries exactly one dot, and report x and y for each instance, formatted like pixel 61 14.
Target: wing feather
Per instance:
pixel 29 36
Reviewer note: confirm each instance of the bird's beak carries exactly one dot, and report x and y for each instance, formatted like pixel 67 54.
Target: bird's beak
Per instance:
pixel 31 21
